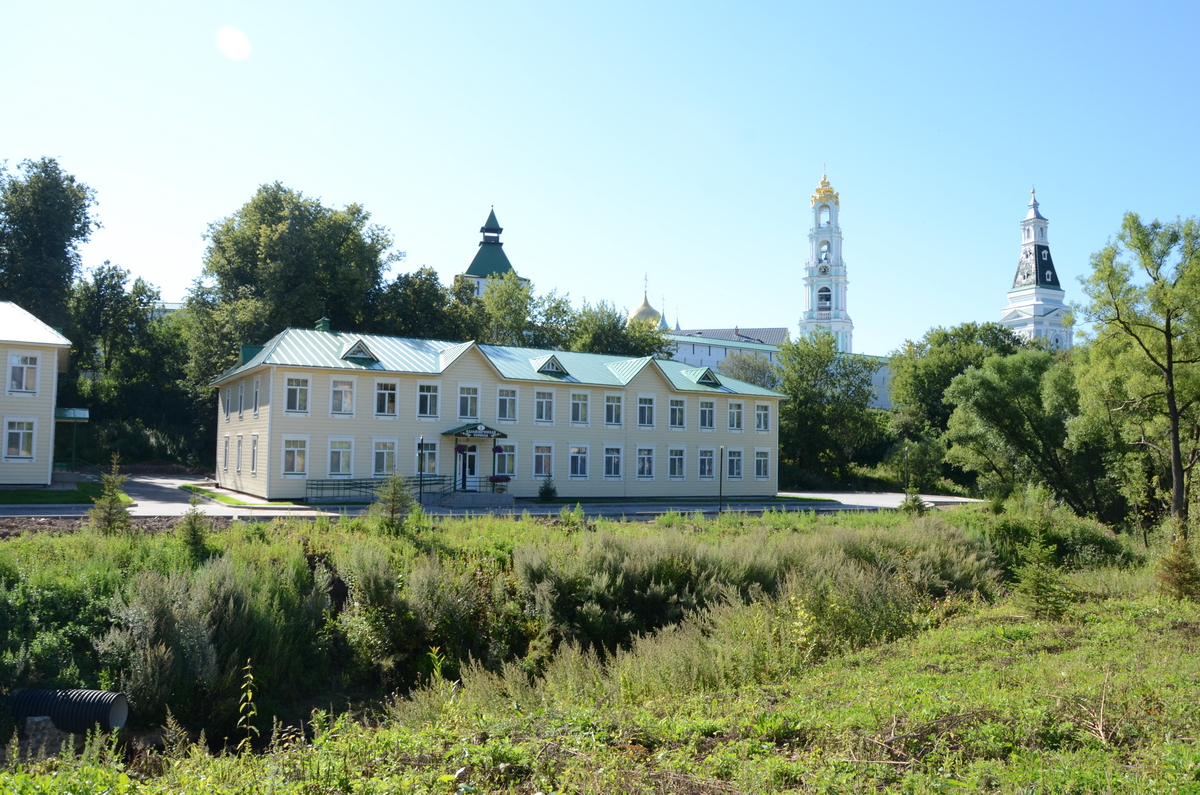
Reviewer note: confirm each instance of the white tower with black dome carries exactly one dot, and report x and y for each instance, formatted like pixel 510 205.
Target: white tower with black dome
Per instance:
pixel 825 272
pixel 1035 302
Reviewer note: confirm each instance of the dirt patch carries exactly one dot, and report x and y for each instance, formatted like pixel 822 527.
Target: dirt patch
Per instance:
pixel 11 527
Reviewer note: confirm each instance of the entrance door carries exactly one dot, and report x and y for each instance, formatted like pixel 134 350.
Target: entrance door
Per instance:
pixel 468 471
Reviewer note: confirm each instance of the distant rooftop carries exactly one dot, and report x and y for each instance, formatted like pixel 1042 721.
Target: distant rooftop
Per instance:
pixel 762 336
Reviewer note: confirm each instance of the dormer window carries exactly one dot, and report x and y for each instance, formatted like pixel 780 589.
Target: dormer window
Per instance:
pixel 359 350
pixel 549 365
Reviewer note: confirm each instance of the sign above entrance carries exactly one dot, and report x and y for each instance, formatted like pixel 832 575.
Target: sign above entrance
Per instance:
pixel 479 431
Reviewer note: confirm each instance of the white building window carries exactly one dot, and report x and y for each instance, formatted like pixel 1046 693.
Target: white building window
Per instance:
pixel 675 456
pixel 708 413
pixel 543 407
pixel 341 455
pixel 506 405
pixel 237 462
pixel 543 461
pixel 678 412
pixel 612 409
pixel 227 403
pixel 255 406
pixel 762 418
pixel 22 373
pixel 427 400
pixel 645 463
pixel 612 462
pixel 254 455
pixel 735 416
pixel 733 460
pixel 706 470
pixel 579 461
pixel 225 455
pixel 762 464
pixel 579 408
pixel 645 412
pixel 18 439
pixel 297 395
pixel 295 456
pixel 385 457
pixel 468 402
pixel 427 458
pixel 341 399
pixel 386 394
pixel 241 399
pixel 506 460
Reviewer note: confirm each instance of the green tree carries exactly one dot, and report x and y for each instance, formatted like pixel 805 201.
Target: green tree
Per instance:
pixel 515 316
pixel 418 305
pixel 923 370
pixel 282 260
pixel 45 214
pixel 752 367
pixel 827 419
pixel 1144 307
pixel 1011 423
pixel 602 328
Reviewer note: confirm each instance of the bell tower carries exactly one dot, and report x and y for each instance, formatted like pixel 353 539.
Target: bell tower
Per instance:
pixel 825 272
pixel 1035 302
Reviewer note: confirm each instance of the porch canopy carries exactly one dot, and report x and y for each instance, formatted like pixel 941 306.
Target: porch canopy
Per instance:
pixel 475 431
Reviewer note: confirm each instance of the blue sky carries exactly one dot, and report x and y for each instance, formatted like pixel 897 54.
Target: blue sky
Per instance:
pixel 615 140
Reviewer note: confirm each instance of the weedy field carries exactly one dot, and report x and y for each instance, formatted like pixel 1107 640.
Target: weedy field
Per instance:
pixel 1024 651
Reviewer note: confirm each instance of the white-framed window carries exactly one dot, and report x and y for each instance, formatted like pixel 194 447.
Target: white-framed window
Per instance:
pixel 384 458
pixel 295 455
pixel 678 413
pixel 506 460
pixel 468 402
pixel 645 463
pixel 645 411
pixel 241 399
pixel 506 404
pixel 225 454
pixel 735 415
pixel 253 454
pixel 387 399
pixel 675 462
pixel 579 408
pixel 426 457
pixel 579 461
pixel 706 469
pixel 22 373
pixel 543 461
pixel 708 414
pixel 228 402
pixel 427 401
pixel 733 464
pixel 237 461
pixel 19 436
pixel 297 394
pixel 341 457
pixel 543 406
pixel 762 464
pixel 341 397
pixel 254 407
pixel 612 409
pixel 612 462
pixel 762 417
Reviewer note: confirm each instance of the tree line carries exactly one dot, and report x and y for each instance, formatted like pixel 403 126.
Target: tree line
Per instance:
pixel 281 260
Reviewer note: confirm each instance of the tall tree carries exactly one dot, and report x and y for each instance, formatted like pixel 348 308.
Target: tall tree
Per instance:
pixel 1144 307
pixel 602 328
pixel 752 367
pixel 827 418
pixel 922 371
pixel 45 214
pixel 515 316
pixel 418 305
pixel 283 260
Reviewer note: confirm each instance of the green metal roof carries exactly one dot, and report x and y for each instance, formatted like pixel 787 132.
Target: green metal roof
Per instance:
pixel 310 348
pixel 686 339
pixel 489 261
pixel 492 223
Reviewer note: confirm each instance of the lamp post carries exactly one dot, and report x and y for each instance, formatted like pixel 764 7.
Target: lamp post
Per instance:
pixel 721 480
pixel 906 468
pixel 421 470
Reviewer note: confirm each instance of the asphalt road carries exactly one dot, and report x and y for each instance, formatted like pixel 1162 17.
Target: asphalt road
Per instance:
pixel 162 496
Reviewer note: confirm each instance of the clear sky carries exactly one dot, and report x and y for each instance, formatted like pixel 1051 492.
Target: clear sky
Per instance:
pixel 676 139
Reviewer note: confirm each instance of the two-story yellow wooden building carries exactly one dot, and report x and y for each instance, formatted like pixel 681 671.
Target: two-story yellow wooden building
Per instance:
pixel 32 353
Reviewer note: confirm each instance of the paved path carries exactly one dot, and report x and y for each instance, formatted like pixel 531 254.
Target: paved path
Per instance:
pixel 162 496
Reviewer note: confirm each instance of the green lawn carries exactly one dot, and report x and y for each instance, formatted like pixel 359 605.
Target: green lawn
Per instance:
pixel 84 494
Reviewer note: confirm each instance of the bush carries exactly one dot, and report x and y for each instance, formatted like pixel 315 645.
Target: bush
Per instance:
pixel 1041 586
pixel 393 502
pixel 110 516
pixel 193 529
pixel 1178 574
pixel 547 491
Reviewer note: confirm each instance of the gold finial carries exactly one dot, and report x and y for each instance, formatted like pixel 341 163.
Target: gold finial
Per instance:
pixel 824 193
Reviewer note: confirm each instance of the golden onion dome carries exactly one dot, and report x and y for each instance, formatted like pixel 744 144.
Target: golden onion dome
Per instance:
pixel 645 311
pixel 825 192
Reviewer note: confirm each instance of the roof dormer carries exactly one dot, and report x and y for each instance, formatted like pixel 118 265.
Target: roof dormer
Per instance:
pixel 703 376
pixel 549 365
pixel 358 350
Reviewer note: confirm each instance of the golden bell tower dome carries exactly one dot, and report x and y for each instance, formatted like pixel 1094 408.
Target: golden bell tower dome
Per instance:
pixel 645 311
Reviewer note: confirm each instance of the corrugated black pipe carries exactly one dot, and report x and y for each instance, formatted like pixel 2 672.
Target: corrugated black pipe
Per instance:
pixel 73 711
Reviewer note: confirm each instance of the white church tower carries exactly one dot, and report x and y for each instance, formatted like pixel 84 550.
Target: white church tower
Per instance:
pixel 825 273
pixel 1035 302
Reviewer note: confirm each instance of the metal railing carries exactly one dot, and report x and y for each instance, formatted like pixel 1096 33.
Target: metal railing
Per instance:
pixel 365 489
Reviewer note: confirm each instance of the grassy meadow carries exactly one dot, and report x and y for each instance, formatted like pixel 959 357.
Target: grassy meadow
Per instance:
pixel 1020 651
